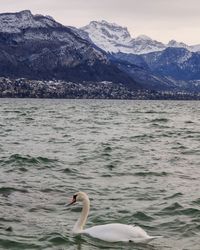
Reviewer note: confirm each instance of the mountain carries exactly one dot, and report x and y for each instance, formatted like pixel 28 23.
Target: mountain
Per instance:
pixel 160 75
pixel 155 65
pixel 114 38
pixel 175 44
pixel 16 22
pixel 38 47
pixel 172 68
pixel 108 36
pixel 178 63
pixel 195 48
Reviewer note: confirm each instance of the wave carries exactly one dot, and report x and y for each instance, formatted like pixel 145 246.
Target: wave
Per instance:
pixel 156 112
pixel 172 209
pixel 8 190
pixel 3 219
pixel 22 160
pixel 193 212
pixel 189 122
pixel 160 120
pixel 177 209
pixel 173 196
pixel 58 239
pixel 143 136
pixel 7 243
pixel 151 173
pixel 196 202
pixel 70 171
pixel 173 206
pixel 142 216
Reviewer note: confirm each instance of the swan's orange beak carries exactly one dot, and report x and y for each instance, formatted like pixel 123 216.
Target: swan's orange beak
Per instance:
pixel 72 201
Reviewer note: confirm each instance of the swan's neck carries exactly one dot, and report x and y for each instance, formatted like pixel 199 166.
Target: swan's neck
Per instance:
pixel 78 227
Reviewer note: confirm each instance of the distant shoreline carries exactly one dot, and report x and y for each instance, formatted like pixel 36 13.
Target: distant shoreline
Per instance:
pixel 58 89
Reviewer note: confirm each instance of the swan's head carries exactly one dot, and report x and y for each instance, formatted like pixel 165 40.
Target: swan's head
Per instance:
pixel 79 196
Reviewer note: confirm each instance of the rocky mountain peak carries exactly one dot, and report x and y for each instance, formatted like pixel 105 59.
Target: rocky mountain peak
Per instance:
pixel 108 36
pixel 24 13
pixel 38 47
pixel 110 26
pixel 174 43
pixel 143 37
pixel 114 38
pixel 15 22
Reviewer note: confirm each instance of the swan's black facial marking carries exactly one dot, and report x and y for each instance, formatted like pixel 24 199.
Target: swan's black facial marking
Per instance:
pixel 74 197
pixel 73 200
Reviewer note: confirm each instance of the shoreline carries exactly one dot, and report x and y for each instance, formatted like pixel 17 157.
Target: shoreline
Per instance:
pixel 59 89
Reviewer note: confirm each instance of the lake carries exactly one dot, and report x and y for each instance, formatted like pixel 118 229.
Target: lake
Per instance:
pixel 137 160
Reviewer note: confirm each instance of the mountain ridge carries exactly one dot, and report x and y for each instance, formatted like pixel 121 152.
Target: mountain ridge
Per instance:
pixel 38 47
pixel 152 63
pixel 114 38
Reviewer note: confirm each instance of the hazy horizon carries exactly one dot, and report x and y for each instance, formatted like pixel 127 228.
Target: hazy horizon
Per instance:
pixel 159 19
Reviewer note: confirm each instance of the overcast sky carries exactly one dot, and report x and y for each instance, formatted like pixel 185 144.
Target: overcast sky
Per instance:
pixel 162 20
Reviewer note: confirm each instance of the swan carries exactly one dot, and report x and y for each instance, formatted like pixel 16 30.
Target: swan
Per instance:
pixel 114 232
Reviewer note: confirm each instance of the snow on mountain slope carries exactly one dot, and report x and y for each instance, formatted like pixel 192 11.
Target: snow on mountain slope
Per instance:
pixel 175 44
pixel 108 36
pixel 144 44
pixel 114 38
pixel 37 47
pixel 15 22
pixel 195 48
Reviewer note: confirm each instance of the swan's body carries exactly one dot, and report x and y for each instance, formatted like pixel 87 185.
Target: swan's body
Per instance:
pixel 113 232
pixel 116 232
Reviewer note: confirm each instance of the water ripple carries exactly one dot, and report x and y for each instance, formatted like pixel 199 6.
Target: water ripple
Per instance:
pixel 137 160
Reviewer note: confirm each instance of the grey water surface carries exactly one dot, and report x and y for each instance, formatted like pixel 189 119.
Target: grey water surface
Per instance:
pixel 139 162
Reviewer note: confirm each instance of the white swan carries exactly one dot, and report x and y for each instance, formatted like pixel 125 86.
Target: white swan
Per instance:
pixel 114 232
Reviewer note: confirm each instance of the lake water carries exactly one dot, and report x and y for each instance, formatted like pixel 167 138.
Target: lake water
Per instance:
pixel 139 162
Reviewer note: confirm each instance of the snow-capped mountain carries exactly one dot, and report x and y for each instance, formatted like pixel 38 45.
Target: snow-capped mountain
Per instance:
pixel 195 48
pixel 38 47
pixel 114 38
pixel 109 36
pixel 175 44
pixel 14 23
pixel 144 44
